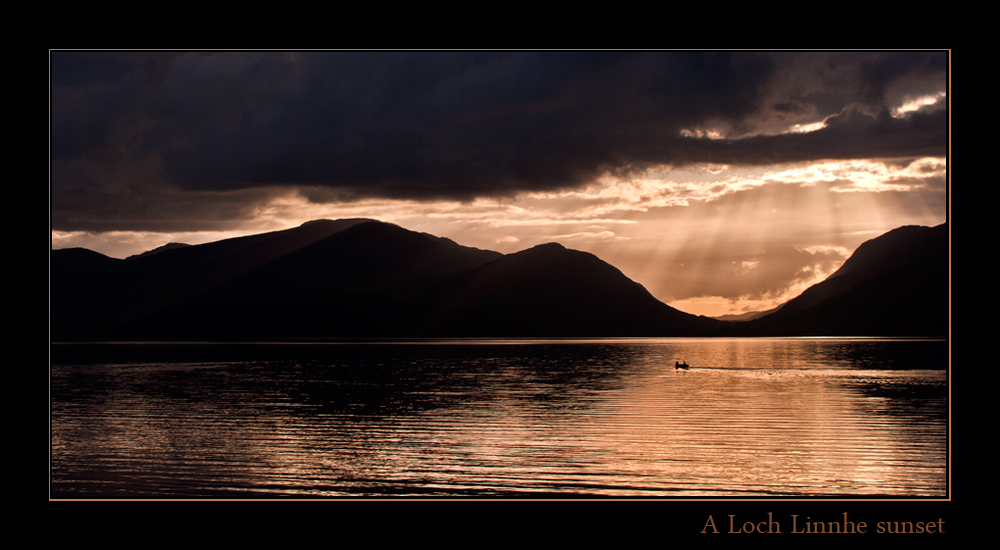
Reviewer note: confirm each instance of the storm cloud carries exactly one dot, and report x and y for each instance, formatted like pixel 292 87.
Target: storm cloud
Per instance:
pixel 154 140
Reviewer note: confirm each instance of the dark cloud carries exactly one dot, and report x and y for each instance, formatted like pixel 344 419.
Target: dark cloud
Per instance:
pixel 851 135
pixel 882 71
pixel 456 125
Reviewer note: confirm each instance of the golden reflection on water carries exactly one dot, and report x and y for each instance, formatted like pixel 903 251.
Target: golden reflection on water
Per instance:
pixel 752 417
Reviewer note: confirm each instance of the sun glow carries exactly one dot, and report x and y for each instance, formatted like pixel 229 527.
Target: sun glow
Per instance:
pixel 708 239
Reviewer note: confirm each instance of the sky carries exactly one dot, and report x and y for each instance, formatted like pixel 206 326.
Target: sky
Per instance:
pixel 723 181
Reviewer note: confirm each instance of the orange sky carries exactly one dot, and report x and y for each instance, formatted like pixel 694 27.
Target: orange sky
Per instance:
pixel 708 240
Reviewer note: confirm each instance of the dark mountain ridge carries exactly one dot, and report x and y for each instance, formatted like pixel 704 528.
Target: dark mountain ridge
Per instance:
pixel 896 284
pixel 363 278
pixel 157 250
pixel 369 280
pixel 355 278
pixel 69 264
pixel 744 317
pixel 91 298
pixel 380 280
pixel 555 291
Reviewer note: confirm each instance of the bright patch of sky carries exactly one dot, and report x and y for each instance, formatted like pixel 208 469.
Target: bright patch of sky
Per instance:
pixel 686 234
pixel 915 104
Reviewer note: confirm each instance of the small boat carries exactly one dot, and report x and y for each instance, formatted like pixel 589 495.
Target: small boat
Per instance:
pixel 682 365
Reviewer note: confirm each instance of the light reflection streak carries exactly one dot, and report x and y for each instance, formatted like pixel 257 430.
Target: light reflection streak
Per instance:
pixel 811 422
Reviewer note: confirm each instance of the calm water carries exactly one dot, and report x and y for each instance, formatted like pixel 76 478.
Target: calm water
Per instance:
pixel 753 417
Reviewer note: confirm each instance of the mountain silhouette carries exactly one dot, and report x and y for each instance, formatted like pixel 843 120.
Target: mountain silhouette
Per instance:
pixel 354 278
pixel 744 317
pixel 70 264
pixel 893 285
pixel 157 250
pixel 553 291
pixel 362 278
pixel 370 280
pixel 94 296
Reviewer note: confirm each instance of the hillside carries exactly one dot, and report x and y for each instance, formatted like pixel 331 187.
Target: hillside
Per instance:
pixel 893 285
pixel 94 296
pixel 552 290
pixel 367 279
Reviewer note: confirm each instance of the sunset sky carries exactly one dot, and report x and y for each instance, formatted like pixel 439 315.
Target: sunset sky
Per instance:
pixel 724 182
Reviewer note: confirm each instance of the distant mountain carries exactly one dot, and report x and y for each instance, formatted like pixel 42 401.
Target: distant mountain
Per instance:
pixel 744 317
pixel 550 290
pixel 94 296
pixel 157 250
pixel 370 280
pixel 69 264
pixel 359 278
pixel 363 278
pixel 894 284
